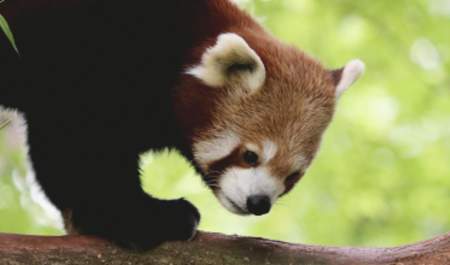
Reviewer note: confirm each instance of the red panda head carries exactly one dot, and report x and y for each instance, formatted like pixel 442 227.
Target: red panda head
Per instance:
pixel 253 111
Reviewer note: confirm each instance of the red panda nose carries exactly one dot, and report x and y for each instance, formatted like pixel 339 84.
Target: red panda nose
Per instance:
pixel 258 204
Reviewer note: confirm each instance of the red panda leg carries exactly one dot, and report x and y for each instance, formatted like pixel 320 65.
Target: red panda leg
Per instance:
pixel 102 193
pixel 141 225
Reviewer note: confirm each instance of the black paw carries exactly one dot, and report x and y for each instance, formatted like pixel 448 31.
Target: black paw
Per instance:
pixel 180 220
pixel 143 225
pixel 173 220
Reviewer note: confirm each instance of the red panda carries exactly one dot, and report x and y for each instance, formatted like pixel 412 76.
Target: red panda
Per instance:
pixel 102 81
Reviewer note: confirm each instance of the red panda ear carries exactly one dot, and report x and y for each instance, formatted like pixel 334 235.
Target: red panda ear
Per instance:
pixel 347 75
pixel 231 61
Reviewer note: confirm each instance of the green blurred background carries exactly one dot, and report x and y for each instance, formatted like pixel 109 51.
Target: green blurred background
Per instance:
pixel 382 176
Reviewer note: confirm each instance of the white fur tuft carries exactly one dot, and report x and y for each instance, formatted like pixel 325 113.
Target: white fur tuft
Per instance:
pixel 229 50
pixel 352 71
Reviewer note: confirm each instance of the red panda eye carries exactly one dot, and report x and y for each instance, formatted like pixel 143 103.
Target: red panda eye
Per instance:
pixel 250 158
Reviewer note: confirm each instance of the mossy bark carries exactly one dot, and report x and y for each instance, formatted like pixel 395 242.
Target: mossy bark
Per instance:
pixel 213 249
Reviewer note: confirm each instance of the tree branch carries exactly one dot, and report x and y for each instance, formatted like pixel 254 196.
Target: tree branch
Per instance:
pixel 213 249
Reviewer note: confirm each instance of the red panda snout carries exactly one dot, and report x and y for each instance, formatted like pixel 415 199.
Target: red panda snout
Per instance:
pixel 241 173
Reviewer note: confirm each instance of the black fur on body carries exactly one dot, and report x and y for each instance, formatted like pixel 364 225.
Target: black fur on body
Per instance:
pixel 95 80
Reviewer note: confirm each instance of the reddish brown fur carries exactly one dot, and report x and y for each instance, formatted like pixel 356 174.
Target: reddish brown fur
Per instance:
pixel 293 108
pixel 71 50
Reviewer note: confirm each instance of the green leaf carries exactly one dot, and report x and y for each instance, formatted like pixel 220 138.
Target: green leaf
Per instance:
pixel 5 27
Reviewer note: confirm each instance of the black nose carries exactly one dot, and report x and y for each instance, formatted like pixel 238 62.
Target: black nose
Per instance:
pixel 258 204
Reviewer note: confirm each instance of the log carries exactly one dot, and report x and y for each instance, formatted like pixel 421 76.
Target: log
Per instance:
pixel 213 249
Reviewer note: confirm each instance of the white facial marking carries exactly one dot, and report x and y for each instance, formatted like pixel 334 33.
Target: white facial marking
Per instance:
pixel 216 147
pixel 269 150
pixel 228 204
pixel 252 147
pixel 299 162
pixel 352 71
pixel 237 184
pixel 230 49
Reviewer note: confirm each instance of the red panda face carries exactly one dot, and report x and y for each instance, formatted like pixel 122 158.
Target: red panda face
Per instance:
pixel 259 110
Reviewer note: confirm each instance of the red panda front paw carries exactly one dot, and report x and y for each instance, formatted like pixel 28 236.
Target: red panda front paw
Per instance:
pixel 143 226
pixel 180 221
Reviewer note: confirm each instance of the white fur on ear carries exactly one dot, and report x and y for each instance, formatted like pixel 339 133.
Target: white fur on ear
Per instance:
pixel 231 60
pixel 351 72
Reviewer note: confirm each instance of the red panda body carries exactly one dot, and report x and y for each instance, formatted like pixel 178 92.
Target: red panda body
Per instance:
pixel 100 82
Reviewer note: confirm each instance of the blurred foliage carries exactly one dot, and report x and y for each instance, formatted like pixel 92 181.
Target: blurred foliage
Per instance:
pixel 383 174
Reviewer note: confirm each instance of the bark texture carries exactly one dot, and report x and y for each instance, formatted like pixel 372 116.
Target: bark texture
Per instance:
pixel 213 249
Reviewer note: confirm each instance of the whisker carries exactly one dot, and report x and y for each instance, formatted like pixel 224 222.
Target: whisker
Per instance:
pixel 215 172
pixel 211 182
